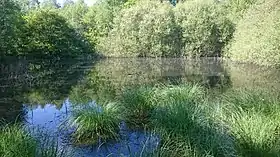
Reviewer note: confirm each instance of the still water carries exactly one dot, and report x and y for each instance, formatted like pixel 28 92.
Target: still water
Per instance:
pixel 41 93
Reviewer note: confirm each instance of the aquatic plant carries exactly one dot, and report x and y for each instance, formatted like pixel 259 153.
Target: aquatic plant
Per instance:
pixel 185 115
pixel 252 117
pixel 138 104
pixel 95 123
pixel 16 140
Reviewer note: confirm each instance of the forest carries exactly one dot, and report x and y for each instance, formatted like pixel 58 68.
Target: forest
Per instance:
pixel 242 30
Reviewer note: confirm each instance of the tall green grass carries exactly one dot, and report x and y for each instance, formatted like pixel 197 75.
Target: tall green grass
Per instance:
pixel 95 123
pixel 253 119
pixel 16 141
pixel 240 122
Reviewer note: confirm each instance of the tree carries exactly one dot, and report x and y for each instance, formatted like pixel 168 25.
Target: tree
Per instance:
pixel 50 35
pixel 74 14
pixel 10 23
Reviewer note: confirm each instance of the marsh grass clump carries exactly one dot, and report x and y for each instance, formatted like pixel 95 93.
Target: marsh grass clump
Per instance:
pixel 192 122
pixel 14 142
pixel 180 116
pixel 252 117
pixel 138 104
pixel 96 123
pixel 17 141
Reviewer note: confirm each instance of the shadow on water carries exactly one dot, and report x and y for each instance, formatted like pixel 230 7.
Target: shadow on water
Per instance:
pixel 36 81
pixel 49 87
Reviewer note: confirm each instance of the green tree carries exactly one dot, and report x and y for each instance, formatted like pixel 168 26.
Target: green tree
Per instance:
pixel 50 35
pixel 99 19
pixel 257 35
pixel 74 12
pixel 145 29
pixel 10 31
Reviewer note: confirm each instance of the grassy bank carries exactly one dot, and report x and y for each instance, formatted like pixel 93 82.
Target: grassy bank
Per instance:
pixel 239 122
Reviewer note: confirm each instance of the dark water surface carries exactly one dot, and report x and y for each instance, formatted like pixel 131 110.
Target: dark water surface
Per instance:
pixel 40 93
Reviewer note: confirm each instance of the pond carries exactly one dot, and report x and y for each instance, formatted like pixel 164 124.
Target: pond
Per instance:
pixel 41 93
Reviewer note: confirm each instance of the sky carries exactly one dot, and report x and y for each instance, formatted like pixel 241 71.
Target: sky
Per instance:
pixel 88 2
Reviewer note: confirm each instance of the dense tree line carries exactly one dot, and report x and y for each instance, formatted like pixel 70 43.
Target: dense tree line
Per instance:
pixel 151 28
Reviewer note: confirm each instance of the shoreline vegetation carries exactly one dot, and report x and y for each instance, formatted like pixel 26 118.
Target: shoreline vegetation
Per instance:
pixel 188 120
pixel 241 30
pixel 240 122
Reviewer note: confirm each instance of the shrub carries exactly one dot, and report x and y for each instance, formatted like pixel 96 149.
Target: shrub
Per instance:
pixel 237 8
pixel 205 28
pixel 195 28
pixel 50 35
pixel 145 29
pixel 257 35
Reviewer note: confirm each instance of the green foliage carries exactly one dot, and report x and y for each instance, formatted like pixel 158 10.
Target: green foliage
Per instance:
pixel 205 28
pixel 99 20
pixel 253 119
pixel 237 8
pixel 96 123
pixel 149 28
pixel 138 105
pixel 10 23
pixel 257 35
pixel 145 29
pixel 50 4
pixel 50 35
pixel 15 142
pixel 74 13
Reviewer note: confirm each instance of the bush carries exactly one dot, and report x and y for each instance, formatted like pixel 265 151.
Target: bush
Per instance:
pixel 145 29
pixel 48 34
pixel 205 28
pixel 154 29
pixel 257 35
pixel 237 8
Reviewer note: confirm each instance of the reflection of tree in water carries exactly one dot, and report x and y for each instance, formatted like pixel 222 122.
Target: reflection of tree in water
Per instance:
pixel 206 71
pixel 215 74
pixel 94 87
pixel 110 76
pixel 37 82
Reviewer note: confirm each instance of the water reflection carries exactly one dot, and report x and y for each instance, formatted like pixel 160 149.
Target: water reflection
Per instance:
pixel 51 120
pixel 30 81
pixel 44 86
